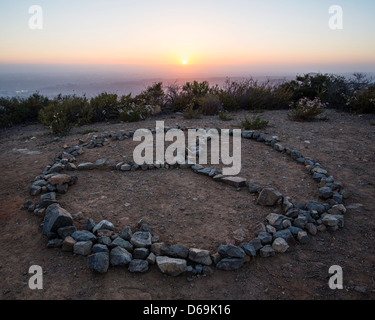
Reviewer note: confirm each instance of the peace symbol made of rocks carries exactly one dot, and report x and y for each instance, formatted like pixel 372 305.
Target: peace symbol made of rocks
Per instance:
pixel 141 249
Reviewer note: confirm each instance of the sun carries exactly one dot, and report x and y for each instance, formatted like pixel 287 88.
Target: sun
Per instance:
pixel 184 62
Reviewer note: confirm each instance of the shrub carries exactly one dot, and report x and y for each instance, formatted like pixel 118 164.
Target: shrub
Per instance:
pixel 20 110
pixel 210 104
pixel 154 95
pixel 362 101
pixel 103 107
pixel 225 116
pixel 306 109
pixel 64 112
pixel 191 113
pixel 130 111
pixel 256 124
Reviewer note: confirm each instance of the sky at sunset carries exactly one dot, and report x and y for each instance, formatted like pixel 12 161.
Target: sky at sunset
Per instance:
pixel 175 35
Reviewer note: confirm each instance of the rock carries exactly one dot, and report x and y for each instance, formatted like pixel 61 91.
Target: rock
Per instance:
pixel 231 251
pixel 295 154
pixel 140 253
pixel 171 266
pixel 175 251
pixel 60 178
pixel 86 166
pixel 120 257
pixel 90 224
pixel 56 218
pixel 127 234
pixel 97 248
pixel 267 251
pixel 316 206
pixel 68 244
pixel 269 197
pixel 105 241
pixel 321 228
pixel 300 222
pixel 279 245
pixel 254 188
pixel 265 238
pixel 120 242
pixel 292 213
pixel 83 235
pixel 229 264
pixel 66 231
pixel 55 243
pixel 99 262
pixel 102 163
pixel 29 205
pixel 260 227
pixel 35 190
pixel 216 258
pixel 236 182
pixel 248 249
pixel 200 256
pixel 330 221
pixel 302 237
pixel 275 219
pixel 155 239
pixel 256 243
pixel 338 209
pixel 156 248
pixel 82 248
pixel 286 204
pixel 151 259
pixel 286 235
pixel 311 228
pixel 319 176
pixel 141 239
pixel 47 199
pixel 325 193
pixel 62 188
pixel 103 225
pixel 286 224
pixel 137 265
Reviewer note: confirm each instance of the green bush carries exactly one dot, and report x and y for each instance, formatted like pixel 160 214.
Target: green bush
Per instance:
pixel 306 109
pixel 256 124
pixel 153 95
pixel 362 101
pixel 210 104
pixel 191 113
pixel 64 112
pixel 103 107
pixel 225 116
pixel 20 110
pixel 130 111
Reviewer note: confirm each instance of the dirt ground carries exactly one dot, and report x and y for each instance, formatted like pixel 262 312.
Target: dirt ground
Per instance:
pixel 190 209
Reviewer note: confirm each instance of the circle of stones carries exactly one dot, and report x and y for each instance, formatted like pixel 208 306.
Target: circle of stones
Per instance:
pixel 138 250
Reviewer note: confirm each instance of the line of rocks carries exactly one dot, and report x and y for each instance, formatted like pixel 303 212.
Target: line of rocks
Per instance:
pixel 104 247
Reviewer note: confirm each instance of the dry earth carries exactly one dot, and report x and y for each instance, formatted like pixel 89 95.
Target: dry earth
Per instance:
pixel 192 210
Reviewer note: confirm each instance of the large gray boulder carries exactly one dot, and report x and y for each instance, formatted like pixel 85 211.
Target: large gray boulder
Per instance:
pixel 120 257
pixel 82 248
pixel 141 239
pixel 103 225
pixel 171 266
pixel 138 265
pixel 175 251
pixel 200 256
pixel 56 218
pixel 231 251
pixel 84 235
pixel 99 262
pixel 269 197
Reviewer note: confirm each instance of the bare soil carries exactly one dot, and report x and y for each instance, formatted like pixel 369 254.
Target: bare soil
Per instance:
pixel 190 209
